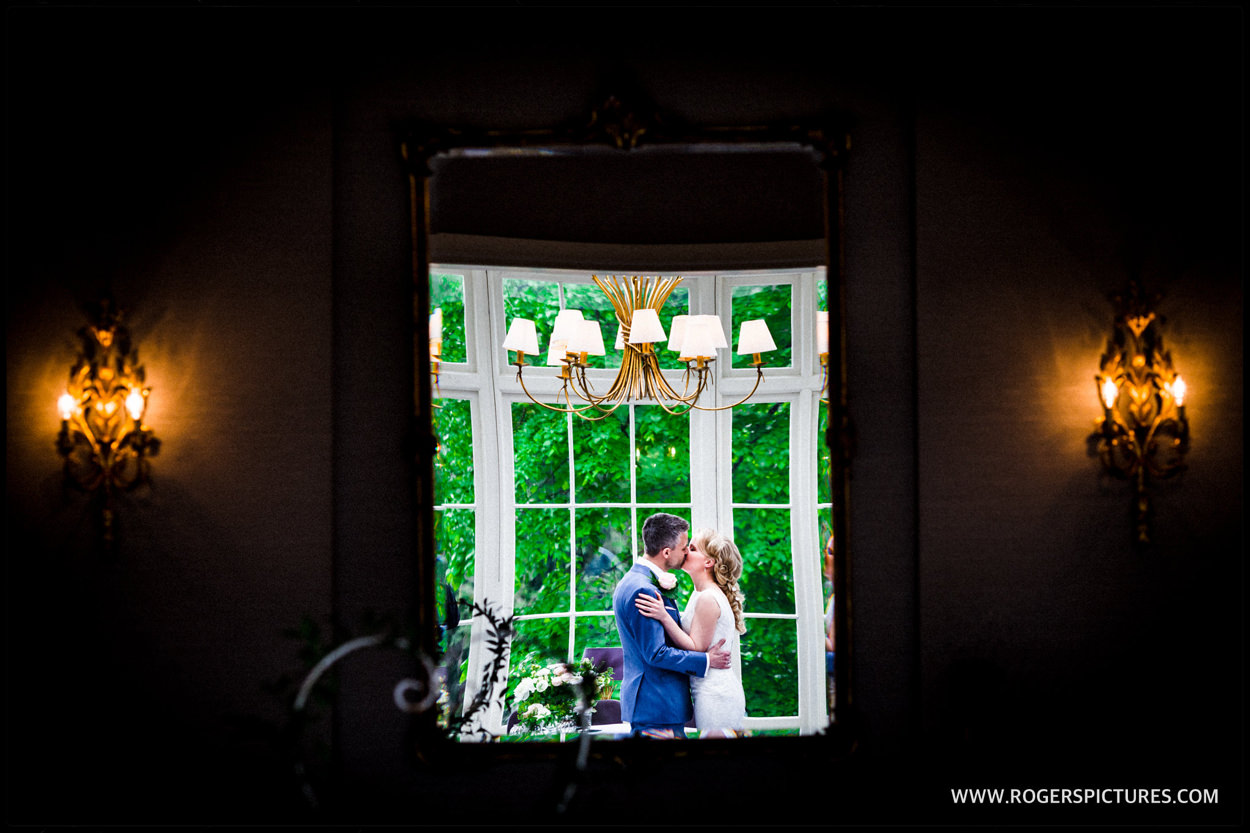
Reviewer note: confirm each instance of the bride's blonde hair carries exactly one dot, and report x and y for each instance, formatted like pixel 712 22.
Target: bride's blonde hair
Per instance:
pixel 726 569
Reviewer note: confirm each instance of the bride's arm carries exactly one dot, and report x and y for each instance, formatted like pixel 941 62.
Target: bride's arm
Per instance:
pixel 653 608
pixel 703 626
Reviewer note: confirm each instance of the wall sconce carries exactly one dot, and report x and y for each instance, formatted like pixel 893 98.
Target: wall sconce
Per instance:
pixel 1143 431
pixel 103 438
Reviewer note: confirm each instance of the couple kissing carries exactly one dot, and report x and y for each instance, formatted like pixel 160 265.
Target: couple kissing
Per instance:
pixel 671 656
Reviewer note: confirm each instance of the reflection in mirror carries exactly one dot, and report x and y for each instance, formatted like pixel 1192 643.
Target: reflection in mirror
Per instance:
pixel 539 513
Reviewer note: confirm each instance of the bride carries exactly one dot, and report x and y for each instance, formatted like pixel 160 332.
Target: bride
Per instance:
pixel 713 612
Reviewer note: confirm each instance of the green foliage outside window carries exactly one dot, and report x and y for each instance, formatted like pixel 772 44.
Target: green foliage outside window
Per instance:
pixel 447 294
pixel 771 303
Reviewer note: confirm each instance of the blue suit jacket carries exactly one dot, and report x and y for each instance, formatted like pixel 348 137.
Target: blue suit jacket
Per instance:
pixel 656 687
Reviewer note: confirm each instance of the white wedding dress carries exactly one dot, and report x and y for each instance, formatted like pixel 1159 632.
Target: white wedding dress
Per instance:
pixel 718 699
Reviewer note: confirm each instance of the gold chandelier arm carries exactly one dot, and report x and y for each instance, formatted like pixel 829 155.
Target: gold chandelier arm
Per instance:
pixel 759 377
pixel 570 408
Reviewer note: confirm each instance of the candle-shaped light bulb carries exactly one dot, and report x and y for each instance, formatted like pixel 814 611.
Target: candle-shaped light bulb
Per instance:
pixel 1178 391
pixel 436 334
pixel 66 406
pixel 135 404
pixel 1109 393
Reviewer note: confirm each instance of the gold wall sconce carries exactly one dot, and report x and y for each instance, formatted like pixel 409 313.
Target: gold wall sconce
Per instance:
pixel 637 302
pixel 1143 431
pixel 103 439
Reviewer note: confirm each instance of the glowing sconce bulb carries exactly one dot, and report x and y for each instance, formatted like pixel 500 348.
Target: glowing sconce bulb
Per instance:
pixel 66 406
pixel 436 334
pixel 1109 393
pixel 1178 388
pixel 135 404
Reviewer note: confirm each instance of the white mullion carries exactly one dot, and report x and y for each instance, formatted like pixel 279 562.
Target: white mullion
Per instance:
pixel 813 709
pixel 500 575
pixel 633 483
pixel 572 532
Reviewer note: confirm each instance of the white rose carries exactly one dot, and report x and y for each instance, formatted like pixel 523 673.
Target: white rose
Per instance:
pixel 541 684
pixel 667 581
pixel 524 689
pixel 537 711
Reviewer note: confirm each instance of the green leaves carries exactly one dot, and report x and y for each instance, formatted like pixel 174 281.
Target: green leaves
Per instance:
pixel 773 304
pixel 447 294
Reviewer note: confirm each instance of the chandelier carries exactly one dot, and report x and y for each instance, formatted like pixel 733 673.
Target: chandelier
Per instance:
pixel 636 302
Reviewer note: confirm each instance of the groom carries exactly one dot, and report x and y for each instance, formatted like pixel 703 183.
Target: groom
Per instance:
pixel 655 693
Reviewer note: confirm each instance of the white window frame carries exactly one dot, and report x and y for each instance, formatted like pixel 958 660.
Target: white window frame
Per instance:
pixel 488 380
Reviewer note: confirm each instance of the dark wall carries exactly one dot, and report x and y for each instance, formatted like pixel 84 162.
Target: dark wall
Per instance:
pixel 234 179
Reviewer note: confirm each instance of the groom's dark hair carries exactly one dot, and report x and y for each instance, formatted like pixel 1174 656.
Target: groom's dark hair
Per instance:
pixel 662 530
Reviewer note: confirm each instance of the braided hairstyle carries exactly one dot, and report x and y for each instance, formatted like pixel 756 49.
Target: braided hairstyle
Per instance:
pixel 726 569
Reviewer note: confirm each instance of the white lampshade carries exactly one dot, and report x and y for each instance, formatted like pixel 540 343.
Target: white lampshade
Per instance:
pixel 620 337
pixel 556 352
pixel 715 329
pixel 703 335
pixel 645 327
pixel 567 323
pixel 436 325
pixel 754 338
pixel 677 333
pixel 822 332
pixel 589 339
pixel 522 336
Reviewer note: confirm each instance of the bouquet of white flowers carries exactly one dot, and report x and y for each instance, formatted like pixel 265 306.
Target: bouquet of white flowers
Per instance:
pixel 546 697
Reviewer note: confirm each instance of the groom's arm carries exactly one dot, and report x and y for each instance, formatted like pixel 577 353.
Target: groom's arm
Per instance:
pixel 649 636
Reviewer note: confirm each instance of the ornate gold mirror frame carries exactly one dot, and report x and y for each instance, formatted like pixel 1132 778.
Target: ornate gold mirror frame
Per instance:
pixel 616 126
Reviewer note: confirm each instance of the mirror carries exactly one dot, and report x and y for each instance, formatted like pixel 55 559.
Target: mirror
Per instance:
pixel 599 538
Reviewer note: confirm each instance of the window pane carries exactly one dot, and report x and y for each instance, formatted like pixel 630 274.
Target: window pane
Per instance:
pixel 602 555
pixel 772 303
pixel 601 458
pixel 538 301
pixel 598 632
pixel 542 560
pixel 770 668
pixel 763 538
pixel 596 307
pixel 540 447
pixel 662 453
pixel 453 463
pixel 543 641
pixel 447 294
pixel 761 453
pixel 455 663
pixel 454 544
pixel 822 294
pixel 824 459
